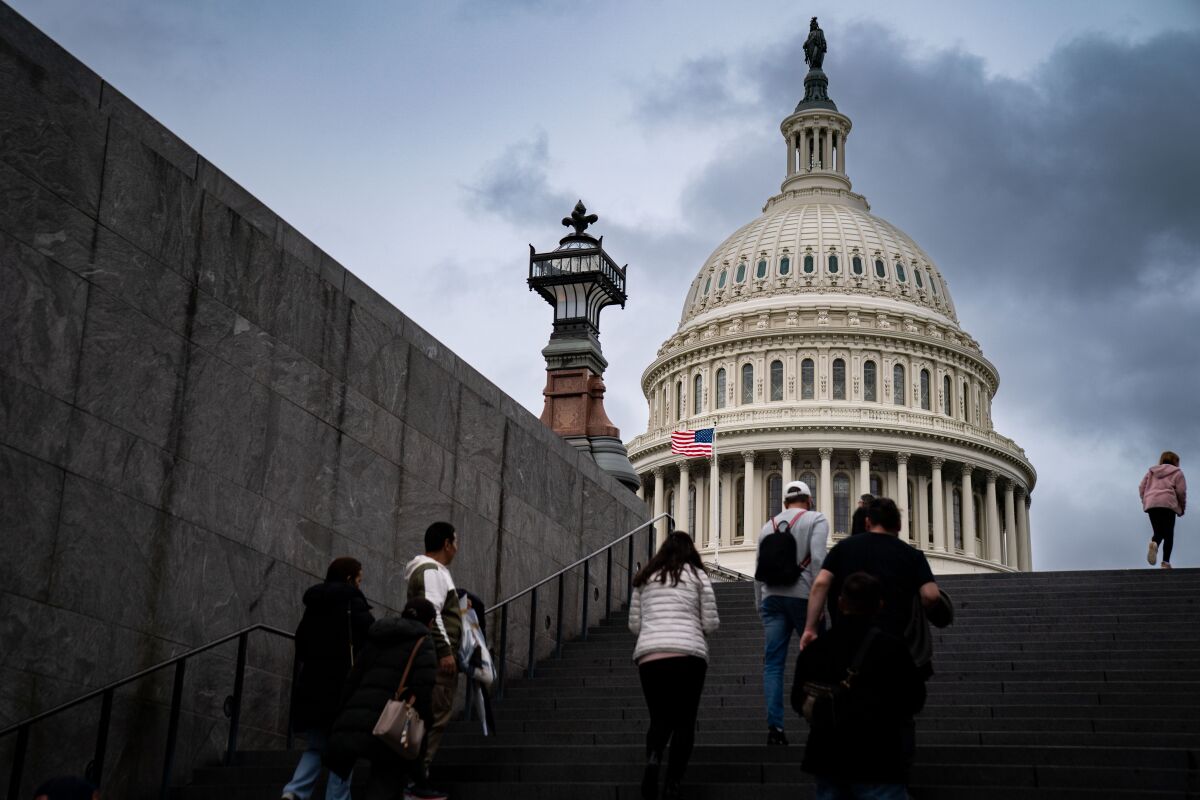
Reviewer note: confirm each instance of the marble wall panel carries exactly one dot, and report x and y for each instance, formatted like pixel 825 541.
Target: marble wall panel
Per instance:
pixel 148 201
pixel 233 196
pixel 30 492
pixel 43 306
pixel 288 536
pixel 224 421
pixel 481 434
pixel 479 491
pixel 49 132
pixel 302 454
pixel 130 370
pixel 377 361
pixel 374 303
pixel 312 316
pixel 366 495
pixel 204 498
pixel 55 63
pixel 238 263
pixel 370 425
pixel 475 565
pixel 420 505
pixel 121 269
pixel 427 461
pixel 36 217
pixel 32 421
pixel 433 400
pixel 148 130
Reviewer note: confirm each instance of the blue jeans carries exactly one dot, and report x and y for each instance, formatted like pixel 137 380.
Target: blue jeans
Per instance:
pixel 309 769
pixel 860 791
pixel 780 616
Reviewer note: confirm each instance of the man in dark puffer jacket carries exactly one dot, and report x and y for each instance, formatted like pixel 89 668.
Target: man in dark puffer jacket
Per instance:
pixel 372 682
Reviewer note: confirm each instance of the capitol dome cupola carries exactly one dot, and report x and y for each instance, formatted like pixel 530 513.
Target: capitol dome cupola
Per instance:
pixel 816 131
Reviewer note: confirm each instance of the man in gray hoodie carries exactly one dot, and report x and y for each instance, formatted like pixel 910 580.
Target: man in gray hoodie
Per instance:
pixel 428 576
pixel 783 607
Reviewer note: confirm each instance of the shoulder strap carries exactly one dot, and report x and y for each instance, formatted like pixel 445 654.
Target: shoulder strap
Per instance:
pixel 411 657
pixel 859 657
pixel 807 546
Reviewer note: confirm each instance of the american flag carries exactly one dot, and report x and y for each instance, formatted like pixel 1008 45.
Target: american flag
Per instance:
pixel 693 443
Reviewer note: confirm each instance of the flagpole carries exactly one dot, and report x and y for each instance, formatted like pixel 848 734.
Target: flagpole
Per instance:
pixel 714 502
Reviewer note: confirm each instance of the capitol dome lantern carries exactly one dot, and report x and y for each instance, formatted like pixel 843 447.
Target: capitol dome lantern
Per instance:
pixel 822 344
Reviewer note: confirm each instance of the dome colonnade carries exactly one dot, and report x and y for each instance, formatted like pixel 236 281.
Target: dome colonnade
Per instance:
pixel 823 344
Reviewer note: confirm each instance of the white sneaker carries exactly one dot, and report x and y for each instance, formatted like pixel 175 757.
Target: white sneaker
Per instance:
pixel 1152 553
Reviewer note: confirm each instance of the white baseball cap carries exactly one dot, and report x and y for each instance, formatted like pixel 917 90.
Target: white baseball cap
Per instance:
pixel 796 489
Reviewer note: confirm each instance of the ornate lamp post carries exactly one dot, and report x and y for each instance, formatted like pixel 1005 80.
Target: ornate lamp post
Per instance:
pixel 578 279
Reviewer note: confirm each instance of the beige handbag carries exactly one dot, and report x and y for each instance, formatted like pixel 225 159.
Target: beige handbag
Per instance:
pixel 400 727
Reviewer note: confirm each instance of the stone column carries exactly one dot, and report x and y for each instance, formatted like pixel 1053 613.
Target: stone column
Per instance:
pixel 681 495
pixel 791 155
pixel 841 159
pixel 1025 552
pixel 1010 526
pixel 939 510
pixel 698 531
pixel 864 474
pixel 714 487
pixel 660 499
pixel 641 492
pixel 786 455
pixel 968 512
pixel 902 494
pixel 749 529
pixel 825 493
pixel 992 517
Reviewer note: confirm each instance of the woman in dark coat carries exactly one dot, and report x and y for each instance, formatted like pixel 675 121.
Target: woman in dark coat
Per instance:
pixel 373 681
pixel 332 631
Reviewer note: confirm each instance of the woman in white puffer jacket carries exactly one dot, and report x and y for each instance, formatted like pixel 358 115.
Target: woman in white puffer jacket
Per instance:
pixel 672 609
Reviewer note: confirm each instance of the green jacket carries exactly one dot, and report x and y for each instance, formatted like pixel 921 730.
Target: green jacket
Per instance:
pixel 430 579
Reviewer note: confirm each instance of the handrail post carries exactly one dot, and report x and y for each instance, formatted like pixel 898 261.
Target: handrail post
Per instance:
pixel 95 770
pixel 235 715
pixel 532 631
pixel 558 629
pixel 503 650
pixel 18 765
pixel 608 585
pixel 172 730
pixel 587 590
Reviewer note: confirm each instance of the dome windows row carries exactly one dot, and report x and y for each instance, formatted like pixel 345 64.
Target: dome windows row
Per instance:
pixel 921 277
pixel 959 398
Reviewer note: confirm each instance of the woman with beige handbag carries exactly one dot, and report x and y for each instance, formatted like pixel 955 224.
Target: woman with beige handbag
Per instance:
pixel 396 671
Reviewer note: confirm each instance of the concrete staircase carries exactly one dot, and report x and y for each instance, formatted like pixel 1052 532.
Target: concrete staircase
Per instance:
pixel 1049 685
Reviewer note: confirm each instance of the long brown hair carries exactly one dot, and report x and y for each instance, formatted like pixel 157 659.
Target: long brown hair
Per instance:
pixel 676 552
pixel 1169 458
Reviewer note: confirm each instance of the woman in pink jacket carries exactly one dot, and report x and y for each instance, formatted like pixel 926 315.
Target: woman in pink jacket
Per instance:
pixel 1164 497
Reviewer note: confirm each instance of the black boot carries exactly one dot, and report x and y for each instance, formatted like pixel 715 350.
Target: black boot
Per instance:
pixel 650 776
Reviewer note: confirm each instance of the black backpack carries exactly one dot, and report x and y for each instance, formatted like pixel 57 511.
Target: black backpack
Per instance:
pixel 777 564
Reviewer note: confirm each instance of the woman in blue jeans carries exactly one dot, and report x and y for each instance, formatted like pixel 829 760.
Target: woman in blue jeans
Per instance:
pixel 331 632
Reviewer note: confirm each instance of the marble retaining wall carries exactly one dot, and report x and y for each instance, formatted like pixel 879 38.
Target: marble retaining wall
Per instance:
pixel 199 409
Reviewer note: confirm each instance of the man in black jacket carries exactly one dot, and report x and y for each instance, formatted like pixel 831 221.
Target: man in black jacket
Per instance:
pixel 860 746
pixel 859 522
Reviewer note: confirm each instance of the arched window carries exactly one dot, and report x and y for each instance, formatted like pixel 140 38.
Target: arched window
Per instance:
pixel 707 284
pixel 720 388
pixel 964 408
pixel 917 275
pixel 957 514
pixel 839 379
pixel 785 266
pixel 880 269
pixel 808 264
pixel 810 478
pixel 739 513
pixel 925 389
pixel 933 285
pixel 697 394
pixel 806 379
pixel 946 392
pixel 898 384
pixel 776 380
pixel 721 279
pixel 774 494
pixel 979 523
pixel 869 380
pixel 747 383
pixel 691 512
pixel 841 503
pixel 856 265
pixel 678 400
pixel 876 484
pixel 901 276
pixel 833 264
pixel 761 270
pixel 741 272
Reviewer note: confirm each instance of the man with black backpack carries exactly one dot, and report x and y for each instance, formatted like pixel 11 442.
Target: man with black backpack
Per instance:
pixel 791 549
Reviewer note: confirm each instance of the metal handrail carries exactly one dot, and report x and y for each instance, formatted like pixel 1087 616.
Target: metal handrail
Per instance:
pixel 95 769
pixel 726 572
pixel 607 550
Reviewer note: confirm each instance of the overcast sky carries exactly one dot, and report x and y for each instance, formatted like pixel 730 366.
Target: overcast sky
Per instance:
pixel 1045 155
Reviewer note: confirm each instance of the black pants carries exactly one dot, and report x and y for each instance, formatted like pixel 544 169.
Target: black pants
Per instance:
pixel 672 688
pixel 1163 522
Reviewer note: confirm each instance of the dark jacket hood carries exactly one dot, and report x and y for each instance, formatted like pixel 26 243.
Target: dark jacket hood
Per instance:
pixel 391 631
pixel 332 596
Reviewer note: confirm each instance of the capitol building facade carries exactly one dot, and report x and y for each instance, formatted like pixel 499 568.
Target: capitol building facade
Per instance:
pixel 822 343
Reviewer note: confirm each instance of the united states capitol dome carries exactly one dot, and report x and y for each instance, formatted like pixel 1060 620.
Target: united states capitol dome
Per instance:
pixel 821 343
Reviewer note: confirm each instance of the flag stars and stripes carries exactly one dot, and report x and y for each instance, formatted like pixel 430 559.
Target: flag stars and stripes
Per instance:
pixel 693 443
